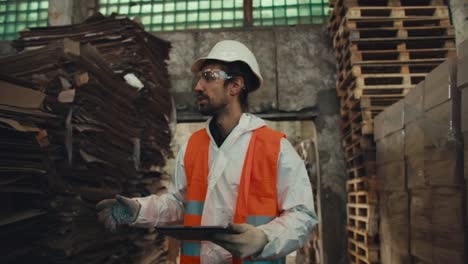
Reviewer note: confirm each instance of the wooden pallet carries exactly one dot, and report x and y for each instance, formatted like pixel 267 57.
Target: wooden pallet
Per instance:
pixel 363 197
pixel 393 33
pixel 365 170
pixel 361 159
pixel 350 3
pixel 365 140
pixel 367 224
pixel 407 56
pixel 363 211
pixel 361 236
pixel 389 49
pixel 399 23
pixel 370 102
pixel 342 54
pixel 420 12
pixel 357 146
pixel 349 74
pixel 341 42
pixel 376 92
pixel 400 45
pixel 362 184
pixel 358 70
pixel 379 83
pixel 358 123
pixel 369 253
pixel 355 258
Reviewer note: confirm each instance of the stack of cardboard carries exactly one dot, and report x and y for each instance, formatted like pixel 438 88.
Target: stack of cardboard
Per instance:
pixel 77 131
pixel 420 173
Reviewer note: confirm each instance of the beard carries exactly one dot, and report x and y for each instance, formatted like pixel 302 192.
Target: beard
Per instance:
pixel 209 107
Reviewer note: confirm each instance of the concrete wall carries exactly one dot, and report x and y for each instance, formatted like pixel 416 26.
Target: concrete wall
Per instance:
pixel 298 67
pixel 291 60
pixel 459 12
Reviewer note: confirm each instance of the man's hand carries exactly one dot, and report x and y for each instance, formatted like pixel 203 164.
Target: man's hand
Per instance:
pixel 118 211
pixel 249 240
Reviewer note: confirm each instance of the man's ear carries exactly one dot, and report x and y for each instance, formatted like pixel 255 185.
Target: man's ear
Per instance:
pixel 236 85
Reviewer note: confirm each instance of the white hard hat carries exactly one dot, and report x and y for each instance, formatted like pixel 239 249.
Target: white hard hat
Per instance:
pixel 229 51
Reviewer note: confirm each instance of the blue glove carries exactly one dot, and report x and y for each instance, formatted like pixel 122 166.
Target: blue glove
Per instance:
pixel 118 211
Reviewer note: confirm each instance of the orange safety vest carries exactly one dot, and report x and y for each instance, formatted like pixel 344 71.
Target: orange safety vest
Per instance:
pixel 256 208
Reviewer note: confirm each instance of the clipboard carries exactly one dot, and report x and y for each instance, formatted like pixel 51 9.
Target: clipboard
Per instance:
pixel 193 232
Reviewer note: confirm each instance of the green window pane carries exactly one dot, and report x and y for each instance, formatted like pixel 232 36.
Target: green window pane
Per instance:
pixel 204 16
pixel 10 28
pixel 216 4
pixel 33 16
pixel 168 7
pixel 180 6
pixel 103 10
pixel 44 5
pixel 146 20
pixel 158 19
pixel 23 7
pixel 291 12
pixel 267 13
pixel 192 5
pixel 228 16
pixel 158 8
pixel 2 8
pixel 192 16
pixel 43 15
pixel 113 9
pixel 188 14
pixel 11 18
pixel 168 27
pixel 33 5
pixel 229 4
pixel 204 5
pixel 293 21
pixel 22 17
pixel 180 17
pixel 156 28
pixel 304 12
pixel 217 15
pixel 169 18
pixel 32 24
pixel 123 9
pixel 136 9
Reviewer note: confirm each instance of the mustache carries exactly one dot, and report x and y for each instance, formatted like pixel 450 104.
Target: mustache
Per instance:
pixel 200 95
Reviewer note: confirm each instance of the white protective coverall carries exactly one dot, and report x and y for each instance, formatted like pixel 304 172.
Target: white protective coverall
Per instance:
pixel 285 233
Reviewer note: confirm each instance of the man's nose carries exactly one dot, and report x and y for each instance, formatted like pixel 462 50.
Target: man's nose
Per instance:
pixel 198 86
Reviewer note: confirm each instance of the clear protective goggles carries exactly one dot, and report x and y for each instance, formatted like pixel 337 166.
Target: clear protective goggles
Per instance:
pixel 212 75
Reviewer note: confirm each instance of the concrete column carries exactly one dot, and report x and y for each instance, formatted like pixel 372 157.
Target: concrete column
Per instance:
pixel 83 9
pixel 459 11
pixel 66 12
pixel 60 12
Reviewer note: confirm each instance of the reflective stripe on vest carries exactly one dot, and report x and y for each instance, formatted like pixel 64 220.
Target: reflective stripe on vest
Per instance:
pixel 256 208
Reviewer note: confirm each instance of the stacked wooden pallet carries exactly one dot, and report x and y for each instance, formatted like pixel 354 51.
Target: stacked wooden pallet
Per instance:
pixel 384 48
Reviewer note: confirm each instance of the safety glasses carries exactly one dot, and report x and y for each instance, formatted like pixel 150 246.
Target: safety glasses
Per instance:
pixel 209 75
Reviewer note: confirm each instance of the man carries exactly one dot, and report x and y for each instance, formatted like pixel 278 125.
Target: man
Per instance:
pixel 235 171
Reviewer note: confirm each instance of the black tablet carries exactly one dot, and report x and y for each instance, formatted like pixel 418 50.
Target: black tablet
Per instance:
pixel 193 232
